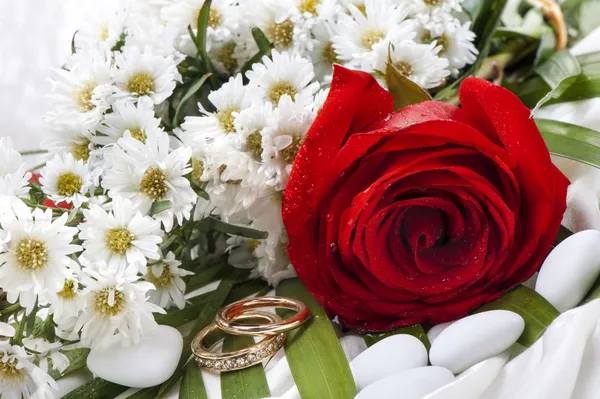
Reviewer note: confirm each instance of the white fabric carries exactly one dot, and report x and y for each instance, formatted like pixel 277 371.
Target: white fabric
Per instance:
pixel 565 363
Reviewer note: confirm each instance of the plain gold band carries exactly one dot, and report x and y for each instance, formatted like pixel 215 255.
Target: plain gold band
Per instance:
pixel 242 358
pixel 227 318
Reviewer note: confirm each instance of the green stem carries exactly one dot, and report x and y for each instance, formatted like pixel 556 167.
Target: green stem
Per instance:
pixel 38 167
pixel 33 152
pixel 18 338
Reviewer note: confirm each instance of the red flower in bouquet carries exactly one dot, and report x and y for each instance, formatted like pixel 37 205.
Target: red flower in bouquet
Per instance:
pixel 419 215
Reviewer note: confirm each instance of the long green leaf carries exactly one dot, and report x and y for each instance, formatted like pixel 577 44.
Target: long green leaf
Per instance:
pixel 96 389
pixel 146 393
pixel 178 317
pixel 193 89
pixel 314 353
pixel 201 36
pixel 192 384
pixel 559 72
pixel 264 45
pixel 571 141
pixel 159 206
pixel 537 312
pixel 415 330
pixel 211 223
pixel 77 359
pixel 207 315
pixel 405 91
pixel 249 383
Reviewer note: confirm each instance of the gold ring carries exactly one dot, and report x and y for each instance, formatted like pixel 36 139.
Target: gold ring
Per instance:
pixel 227 317
pixel 242 358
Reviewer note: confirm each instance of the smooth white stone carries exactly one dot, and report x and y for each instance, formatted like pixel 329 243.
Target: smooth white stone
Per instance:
pixel 475 338
pixel 147 364
pixel 472 383
pixel 408 384
pixel 389 356
pixel 570 270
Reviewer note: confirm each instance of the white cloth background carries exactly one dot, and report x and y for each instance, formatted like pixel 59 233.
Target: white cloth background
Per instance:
pixel 35 35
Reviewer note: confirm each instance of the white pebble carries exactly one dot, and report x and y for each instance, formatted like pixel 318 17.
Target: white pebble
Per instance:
pixel 408 384
pixel 147 364
pixel 389 356
pixel 475 338
pixel 570 270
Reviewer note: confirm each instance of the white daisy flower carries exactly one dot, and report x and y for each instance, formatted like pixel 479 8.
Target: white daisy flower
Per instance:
pixel 37 255
pixel 283 24
pixel 82 93
pixel 67 303
pixel 223 21
pixel 47 350
pixel 282 139
pixel 169 287
pixel 145 74
pixel 435 6
pixel 273 263
pixel 121 237
pixel 418 62
pixel 229 100
pixel 284 75
pixel 115 303
pixel 359 34
pixel 72 140
pixel 323 54
pixel 126 116
pixel 65 179
pixel 104 25
pixel 249 125
pixel 229 56
pixel 457 45
pixel 321 9
pixel 148 172
pixel 14 177
pixel 21 378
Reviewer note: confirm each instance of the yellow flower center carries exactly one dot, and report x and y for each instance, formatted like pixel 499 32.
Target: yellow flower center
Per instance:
pixel 68 184
pixel 107 306
pixel 138 134
pixel 104 33
pixel 10 372
pixel 404 68
pixel 282 34
pixel 254 144
pixel 84 95
pixel 119 240
pixel 69 290
pixel 432 3
pixel 362 8
pixel 81 150
pixel 214 18
pixel 225 55
pixel 289 153
pixel 280 89
pixel 141 83
pixel 443 42
pixel 226 119
pixel 31 254
pixel 329 55
pixel 162 281
pixel 372 37
pixel 197 169
pixel 154 184
pixel 309 6
pixel 253 245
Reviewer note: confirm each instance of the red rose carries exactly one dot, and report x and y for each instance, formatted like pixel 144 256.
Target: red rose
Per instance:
pixel 419 215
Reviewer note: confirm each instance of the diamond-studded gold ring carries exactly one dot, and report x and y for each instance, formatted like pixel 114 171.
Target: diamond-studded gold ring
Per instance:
pixel 227 318
pixel 240 359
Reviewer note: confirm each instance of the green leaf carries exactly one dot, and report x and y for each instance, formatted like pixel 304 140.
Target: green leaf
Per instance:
pixel 208 275
pixel 249 383
pixel 486 17
pixel 537 312
pixel 178 317
pixel 405 91
pixel 73 48
pixel 415 330
pixel 192 384
pixel 96 389
pixel 314 353
pixel 193 89
pixel 145 393
pixel 588 17
pixel 264 45
pixel 202 25
pixel 77 359
pixel 559 72
pixel 547 45
pixel 571 141
pixel 159 206
pixel 214 303
pixel 211 223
